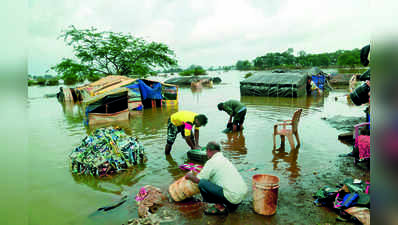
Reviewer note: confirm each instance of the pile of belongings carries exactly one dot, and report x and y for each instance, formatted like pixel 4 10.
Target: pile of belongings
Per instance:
pixel 149 199
pixel 161 217
pixel 351 200
pixel 106 151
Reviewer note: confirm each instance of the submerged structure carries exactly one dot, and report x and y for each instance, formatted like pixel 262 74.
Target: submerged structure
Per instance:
pixel 188 80
pixel 108 106
pixel 320 78
pixel 116 97
pixel 291 84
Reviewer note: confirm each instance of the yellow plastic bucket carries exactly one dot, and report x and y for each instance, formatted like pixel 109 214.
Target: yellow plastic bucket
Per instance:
pixel 265 194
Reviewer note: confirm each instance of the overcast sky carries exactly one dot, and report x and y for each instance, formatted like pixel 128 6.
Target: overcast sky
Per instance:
pixel 204 32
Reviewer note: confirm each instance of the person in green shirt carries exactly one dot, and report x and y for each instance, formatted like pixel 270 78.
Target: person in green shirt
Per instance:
pixel 236 110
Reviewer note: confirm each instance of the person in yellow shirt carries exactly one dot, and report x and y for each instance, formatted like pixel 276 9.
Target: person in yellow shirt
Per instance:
pixel 184 121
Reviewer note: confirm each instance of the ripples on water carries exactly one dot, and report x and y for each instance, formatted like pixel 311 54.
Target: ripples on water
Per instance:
pixel 56 129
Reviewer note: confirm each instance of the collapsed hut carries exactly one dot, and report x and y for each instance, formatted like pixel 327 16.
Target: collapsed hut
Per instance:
pixel 187 81
pixel 115 97
pixel 106 107
pixel 319 77
pixel 292 84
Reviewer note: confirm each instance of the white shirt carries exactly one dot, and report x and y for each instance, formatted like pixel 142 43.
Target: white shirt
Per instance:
pixel 221 171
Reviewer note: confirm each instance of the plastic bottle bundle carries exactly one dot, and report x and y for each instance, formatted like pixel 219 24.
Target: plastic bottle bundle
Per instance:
pixel 106 151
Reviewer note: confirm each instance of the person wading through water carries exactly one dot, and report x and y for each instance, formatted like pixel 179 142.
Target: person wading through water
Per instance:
pixel 184 121
pixel 235 109
pixel 219 182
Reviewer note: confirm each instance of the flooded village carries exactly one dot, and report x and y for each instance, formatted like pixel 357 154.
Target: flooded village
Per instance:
pixel 187 113
pixel 302 171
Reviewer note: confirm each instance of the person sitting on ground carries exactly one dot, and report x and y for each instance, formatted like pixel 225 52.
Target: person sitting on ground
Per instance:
pixel 219 182
pixel 236 110
pixel 311 86
pixel 183 121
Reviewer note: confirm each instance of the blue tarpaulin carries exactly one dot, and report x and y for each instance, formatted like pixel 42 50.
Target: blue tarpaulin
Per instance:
pixel 319 80
pixel 154 92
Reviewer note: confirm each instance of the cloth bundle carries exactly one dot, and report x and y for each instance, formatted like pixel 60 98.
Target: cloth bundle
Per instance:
pixel 191 167
pixel 149 200
pixel 345 199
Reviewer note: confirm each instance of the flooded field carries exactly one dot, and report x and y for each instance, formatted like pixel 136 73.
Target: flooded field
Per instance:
pixel 57 197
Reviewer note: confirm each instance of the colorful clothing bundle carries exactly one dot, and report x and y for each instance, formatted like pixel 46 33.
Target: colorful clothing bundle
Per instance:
pixel 191 167
pixel 363 144
pixel 349 195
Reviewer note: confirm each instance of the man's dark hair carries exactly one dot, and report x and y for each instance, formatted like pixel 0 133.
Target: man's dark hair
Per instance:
pixel 364 55
pixel 213 146
pixel 202 119
pixel 220 106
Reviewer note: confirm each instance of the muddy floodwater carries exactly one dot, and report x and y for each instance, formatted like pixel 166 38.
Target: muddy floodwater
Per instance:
pixel 57 197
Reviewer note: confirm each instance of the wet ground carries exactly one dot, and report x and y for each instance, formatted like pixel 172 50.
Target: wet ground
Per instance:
pixel 57 197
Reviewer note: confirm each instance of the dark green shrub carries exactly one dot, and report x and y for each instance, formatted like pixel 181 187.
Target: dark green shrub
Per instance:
pixel 41 81
pixel 52 81
pixel 247 75
pixel 31 82
pixel 93 77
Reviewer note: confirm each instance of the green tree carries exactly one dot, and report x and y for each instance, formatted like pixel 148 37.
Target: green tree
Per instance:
pixel 348 58
pixel 72 72
pixel 324 60
pixel 106 53
pixel 302 53
pixel 288 57
pixel 243 65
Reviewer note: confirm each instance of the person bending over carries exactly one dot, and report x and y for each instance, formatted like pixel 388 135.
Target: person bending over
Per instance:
pixel 235 109
pixel 183 122
pixel 219 182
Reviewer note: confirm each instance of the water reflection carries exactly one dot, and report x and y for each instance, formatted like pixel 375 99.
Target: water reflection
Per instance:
pixel 315 101
pixel 196 93
pixel 125 125
pixel 73 112
pixel 173 167
pixel 151 121
pixel 235 144
pixel 290 158
pixel 305 102
pixel 112 184
pixel 195 89
pixel 148 121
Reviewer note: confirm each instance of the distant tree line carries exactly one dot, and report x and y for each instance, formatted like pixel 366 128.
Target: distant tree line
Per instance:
pixel 193 70
pixel 45 80
pixel 286 59
pixel 197 68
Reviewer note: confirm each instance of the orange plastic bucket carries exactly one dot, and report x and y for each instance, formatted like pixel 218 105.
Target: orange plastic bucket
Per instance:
pixel 183 189
pixel 265 194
